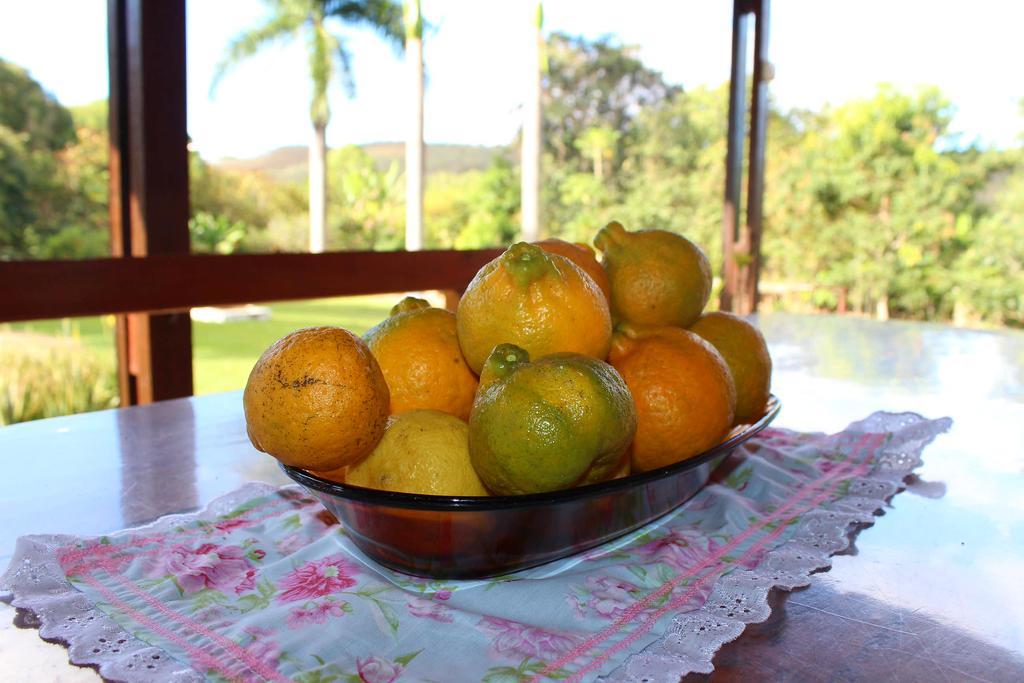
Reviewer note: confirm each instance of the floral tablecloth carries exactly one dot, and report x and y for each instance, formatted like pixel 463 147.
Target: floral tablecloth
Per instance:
pixel 264 584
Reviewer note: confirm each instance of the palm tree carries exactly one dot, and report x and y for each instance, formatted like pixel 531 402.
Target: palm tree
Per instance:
pixel 598 142
pixel 414 144
pixel 328 54
pixel 531 134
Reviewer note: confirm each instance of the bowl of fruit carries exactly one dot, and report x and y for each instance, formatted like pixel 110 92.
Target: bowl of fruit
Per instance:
pixel 565 402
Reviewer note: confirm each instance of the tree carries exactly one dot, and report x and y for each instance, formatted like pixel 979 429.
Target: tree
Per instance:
pixel 370 199
pixel 673 171
pixel 599 143
pixel 328 54
pixel 414 144
pixel 52 190
pixel 27 109
pixel 989 274
pixel 531 139
pixel 594 84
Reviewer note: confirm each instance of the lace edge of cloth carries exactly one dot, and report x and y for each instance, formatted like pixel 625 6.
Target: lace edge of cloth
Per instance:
pixel 741 597
pixel 35 584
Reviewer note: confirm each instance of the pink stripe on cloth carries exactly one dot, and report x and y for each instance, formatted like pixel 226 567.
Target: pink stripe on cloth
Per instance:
pixel 197 654
pixel 860 447
pixel 715 571
pixel 228 645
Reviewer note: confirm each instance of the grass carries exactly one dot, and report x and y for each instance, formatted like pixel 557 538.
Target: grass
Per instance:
pixel 223 355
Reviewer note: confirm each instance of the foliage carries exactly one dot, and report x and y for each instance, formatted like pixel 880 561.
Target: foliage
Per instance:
pixel 215 234
pixel 43 376
pixel 598 84
pixel 492 209
pixel 369 203
pixel 328 56
pixel 53 174
pixel 27 109
pixel 989 274
pixel 870 207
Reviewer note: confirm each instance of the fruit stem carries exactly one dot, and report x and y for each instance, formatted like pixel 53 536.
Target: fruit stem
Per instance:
pixel 609 235
pixel 526 263
pixel 409 303
pixel 502 362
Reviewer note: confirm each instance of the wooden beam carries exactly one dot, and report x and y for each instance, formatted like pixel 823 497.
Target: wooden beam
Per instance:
pixel 734 157
pixel 149 184
pixel 119 193
pixel 53 289
pixel 755 171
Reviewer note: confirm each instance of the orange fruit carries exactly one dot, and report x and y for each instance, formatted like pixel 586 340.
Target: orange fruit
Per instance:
pixel 745 351
pixel 657 277
pixel 560 421
pixel 583 256
pixel 684 394
pixel 316 399
pixel 418 351
pixel 538 301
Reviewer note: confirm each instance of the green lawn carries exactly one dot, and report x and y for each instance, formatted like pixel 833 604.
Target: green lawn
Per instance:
pixel 224 354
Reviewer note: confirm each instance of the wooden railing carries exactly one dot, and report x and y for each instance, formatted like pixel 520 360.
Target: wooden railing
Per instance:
pixel 177 282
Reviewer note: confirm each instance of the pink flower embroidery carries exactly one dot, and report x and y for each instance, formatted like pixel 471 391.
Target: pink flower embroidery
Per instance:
pixel 316 579
pixel 317 614
pixel 514 638
pixel 678 549
pixel 442 595
pixel 374 670
pixel 429 609
pixel 220 568
pixel 609 597
pixel 266 652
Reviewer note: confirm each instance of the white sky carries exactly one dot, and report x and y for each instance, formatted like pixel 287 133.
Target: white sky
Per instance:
pixel 824 51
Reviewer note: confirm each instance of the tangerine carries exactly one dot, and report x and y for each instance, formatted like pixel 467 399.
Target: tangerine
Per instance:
pixel 684 394
pixel 745 351
pixel 316 399
pixel 418 350
pixel 539 301
pixel 583 256
pixel 657 277
pixel 563 420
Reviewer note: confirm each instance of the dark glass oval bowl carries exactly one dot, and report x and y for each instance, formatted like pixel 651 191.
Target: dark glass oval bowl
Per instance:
pixel 475 537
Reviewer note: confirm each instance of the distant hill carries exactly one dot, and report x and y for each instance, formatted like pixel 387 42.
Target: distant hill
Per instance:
pixel 290 163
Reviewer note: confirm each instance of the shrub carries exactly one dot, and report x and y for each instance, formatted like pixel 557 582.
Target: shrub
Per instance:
pixel 45 376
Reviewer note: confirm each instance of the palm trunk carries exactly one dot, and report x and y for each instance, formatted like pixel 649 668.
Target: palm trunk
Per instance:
pixel 414 148
pixel 318 189
pixel 530 171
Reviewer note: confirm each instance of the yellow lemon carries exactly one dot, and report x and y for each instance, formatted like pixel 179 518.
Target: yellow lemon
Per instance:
pixel 422 451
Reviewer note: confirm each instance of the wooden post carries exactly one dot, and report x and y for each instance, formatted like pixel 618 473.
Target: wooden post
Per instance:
pixel 120 220
pixel 149 205
pixel 734 158
pixel 755 171
pixel 741 243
